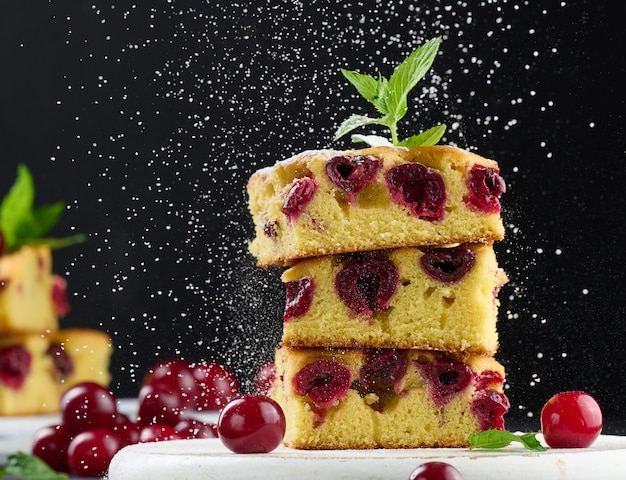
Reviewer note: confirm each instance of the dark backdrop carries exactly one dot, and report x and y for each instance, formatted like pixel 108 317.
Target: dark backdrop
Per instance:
pixel 148 118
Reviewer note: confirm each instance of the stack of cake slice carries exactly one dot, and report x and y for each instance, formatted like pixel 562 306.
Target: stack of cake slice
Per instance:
pixel 391 296
pixel 38 360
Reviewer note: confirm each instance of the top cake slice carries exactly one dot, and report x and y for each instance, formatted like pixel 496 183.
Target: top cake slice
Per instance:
pixel 329 202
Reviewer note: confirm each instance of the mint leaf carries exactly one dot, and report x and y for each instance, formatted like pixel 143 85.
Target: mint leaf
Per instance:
pixel 353 122
pixel 493 439
pixel 16 205
pixel 425 139
pixel 406 76
pixel 369 88
pixel 390 96
pixel 21 223
pixel 24 466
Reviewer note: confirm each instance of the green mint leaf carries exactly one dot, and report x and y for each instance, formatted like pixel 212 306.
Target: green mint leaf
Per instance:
pixel 24 466
pixel 353 122
pixel 390 96
pixel 21 223
pixel 425 139
pixel 369 88
pixel 493 439
pixel 406 76
pixel 41 220
pixel 16 205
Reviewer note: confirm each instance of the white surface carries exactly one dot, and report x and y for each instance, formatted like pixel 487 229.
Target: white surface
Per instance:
pixel 210 460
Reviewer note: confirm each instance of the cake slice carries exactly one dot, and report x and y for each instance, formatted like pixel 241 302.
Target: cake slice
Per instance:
pixel 36 368
pixel 386 398
pixel 425 298
pixel 328 202
pixel 26 289
pixel 26 384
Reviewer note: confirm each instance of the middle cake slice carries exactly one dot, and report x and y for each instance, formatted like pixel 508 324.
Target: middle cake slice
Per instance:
pixel 426 298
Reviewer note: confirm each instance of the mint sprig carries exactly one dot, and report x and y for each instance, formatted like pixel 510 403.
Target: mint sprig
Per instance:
pixel 390 97
pixel 23 223
pixel 24 466
pixel 493 439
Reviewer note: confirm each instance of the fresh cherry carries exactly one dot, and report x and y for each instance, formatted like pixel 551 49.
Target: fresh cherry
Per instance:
pixel 90 452
pixel 485 186
pixel 14 366
pixel 367 284
pixel 126 429
pixel 217 385
pixel 299 296
pixel 194 428
pixel 159 432
pixel 251 424
pixel 435 471
pixel 87 406
pixel 324 381
pixel 174 376
pixel 265 377
pixel 159 405
pixel 419 189
pixel 50 443
pixel 352 173
pixel 299 196
pixel 448 265
pixel 571 420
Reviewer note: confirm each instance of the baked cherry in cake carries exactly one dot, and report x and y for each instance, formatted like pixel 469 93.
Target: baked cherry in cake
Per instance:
pixel 299 196
pixel 324 381
pixel 63 365
pixel 299 295
pixel 448 265
pixel 14 366
pixel 352 173
pixel 489 406
pixel 445 377
pixel 419 189
pixel 367 284
pixel 383 369
pixel 485 186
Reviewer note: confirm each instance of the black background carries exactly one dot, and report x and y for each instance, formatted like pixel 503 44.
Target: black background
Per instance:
pixel 148 118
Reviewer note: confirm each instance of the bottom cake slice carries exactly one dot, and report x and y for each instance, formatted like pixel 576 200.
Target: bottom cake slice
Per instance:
pixel 386 398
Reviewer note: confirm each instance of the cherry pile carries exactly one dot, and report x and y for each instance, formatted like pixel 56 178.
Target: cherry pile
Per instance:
pixel 92 429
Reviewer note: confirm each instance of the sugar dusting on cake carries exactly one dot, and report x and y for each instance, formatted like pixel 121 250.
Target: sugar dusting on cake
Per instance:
pixel 241 87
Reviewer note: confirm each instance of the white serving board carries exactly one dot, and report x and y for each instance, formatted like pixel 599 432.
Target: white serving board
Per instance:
pixel 210 460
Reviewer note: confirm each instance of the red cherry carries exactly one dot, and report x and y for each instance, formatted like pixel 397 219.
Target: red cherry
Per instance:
pixel 127 429
pixel 571 420
pixel 264 377
pixel 50 443
pixel 218 385
pixel 193 428
pixel 174 375
pixel 87 406
pixel 159 405
pixel 435 471
pixel 251 424
pixel 91 451
pixel 158 432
